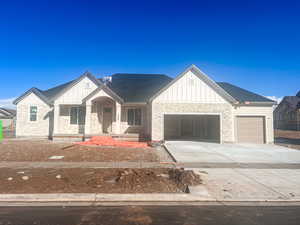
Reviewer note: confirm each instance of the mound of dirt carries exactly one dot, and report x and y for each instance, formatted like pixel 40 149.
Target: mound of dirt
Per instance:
pixel 184 178
pixel 132 178
pixel 84 180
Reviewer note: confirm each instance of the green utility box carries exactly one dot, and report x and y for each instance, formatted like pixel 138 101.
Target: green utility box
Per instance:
pixel 1 131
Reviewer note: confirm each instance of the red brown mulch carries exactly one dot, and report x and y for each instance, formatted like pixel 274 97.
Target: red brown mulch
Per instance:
pixel 110 141
pixel 15 150
pixel 77 180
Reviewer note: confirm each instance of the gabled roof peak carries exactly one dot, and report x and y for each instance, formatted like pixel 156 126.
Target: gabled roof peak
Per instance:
pixel 202 76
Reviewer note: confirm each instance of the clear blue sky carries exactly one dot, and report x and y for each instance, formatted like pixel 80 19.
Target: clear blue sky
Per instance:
pixel 253 44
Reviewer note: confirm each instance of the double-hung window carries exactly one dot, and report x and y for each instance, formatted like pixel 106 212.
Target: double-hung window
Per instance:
pixel 77 115
pixel 33 113
pixel 134 117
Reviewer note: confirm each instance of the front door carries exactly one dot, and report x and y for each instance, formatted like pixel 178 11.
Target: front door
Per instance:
pixel 107 120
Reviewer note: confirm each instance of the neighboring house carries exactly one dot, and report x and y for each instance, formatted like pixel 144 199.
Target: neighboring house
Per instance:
pixel 191 106
pixel 287 113
pixel 7 116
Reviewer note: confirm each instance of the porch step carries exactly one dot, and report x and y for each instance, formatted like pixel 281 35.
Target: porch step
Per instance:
pixel 68 138
pixel 125 135
pixel 135 139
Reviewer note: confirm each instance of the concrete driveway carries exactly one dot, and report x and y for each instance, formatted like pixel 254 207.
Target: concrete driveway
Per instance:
pixel 200 152
pixel 242 172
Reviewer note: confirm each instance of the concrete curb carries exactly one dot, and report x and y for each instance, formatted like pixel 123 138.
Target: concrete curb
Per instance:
pixel 95 165
pixel 86 197
pixel 98 198
pixel 168 152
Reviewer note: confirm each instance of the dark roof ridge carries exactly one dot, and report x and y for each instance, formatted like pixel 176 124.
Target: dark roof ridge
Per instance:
pixel 140 74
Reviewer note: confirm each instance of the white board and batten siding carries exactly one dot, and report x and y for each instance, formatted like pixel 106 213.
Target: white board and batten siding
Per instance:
pixel 189 89
pixel 75 94
pixel 63 104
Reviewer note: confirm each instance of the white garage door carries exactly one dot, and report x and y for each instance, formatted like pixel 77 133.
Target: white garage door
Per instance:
pixel 251 129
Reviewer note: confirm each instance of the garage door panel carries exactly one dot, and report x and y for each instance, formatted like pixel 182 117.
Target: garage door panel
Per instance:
pixel 200 127
pixel 172 127
pixel 250 129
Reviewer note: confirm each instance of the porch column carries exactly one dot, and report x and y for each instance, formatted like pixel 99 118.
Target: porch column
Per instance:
pixel 88 111
pixel 118 118
pixel 55 119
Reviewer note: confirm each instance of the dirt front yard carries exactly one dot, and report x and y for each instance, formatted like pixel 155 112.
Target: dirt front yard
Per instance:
pixel 287 138
pixel 78 180
pixel 42 150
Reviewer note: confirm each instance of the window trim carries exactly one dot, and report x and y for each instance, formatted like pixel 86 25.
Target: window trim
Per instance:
pixel 77 115
pixel 29 118
pixel 134 125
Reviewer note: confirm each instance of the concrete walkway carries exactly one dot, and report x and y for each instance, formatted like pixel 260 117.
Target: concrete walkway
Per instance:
pixel 240 165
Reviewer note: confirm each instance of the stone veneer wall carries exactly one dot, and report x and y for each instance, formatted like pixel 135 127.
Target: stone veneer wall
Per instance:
pixel 159 109
pixel 64 124
pixel 125 128
pixel 40 128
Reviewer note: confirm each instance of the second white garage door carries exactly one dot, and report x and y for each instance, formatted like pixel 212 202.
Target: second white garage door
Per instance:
pixel 250 129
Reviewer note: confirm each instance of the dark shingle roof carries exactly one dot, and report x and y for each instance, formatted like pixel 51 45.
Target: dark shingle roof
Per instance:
pixel 293 102
pixel 138 87
pixel 141 87
pixel 8 112
pixel 50 93
pixel 241 94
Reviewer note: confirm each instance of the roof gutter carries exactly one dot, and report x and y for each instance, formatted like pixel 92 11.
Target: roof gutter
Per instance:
pixel 255 103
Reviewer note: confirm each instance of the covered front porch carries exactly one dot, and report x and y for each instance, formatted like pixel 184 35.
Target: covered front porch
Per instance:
pixel 100 114
pixel 103 116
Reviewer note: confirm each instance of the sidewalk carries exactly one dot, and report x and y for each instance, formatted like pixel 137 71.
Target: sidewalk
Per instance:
pixel 241 184
pixel 198 195
pixel 220 184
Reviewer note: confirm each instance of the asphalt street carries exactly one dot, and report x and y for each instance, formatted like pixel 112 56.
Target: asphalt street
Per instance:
pixel 146 215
